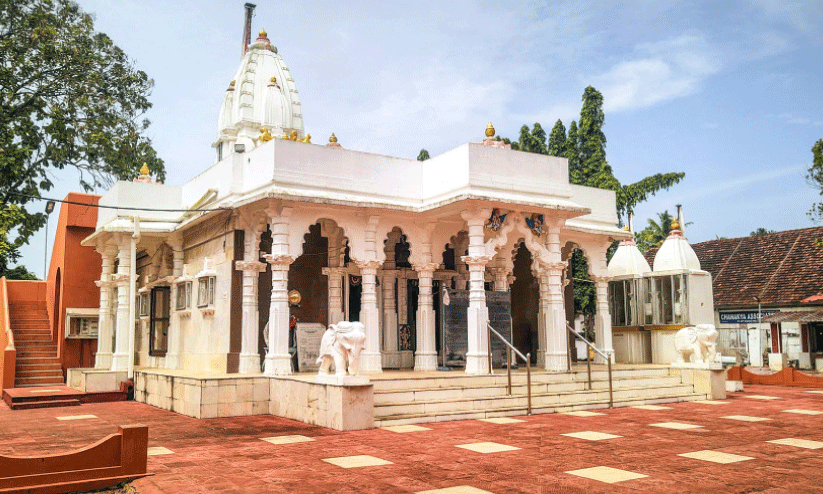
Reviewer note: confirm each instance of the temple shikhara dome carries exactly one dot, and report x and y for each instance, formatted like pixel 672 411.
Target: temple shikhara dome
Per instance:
pixel 628 260
pixel 676 253
pixel 261 95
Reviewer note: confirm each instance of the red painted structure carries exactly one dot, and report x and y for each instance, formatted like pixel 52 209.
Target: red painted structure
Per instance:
pixel 70 284
pixel 72 273
pixel 116 459
pixel 786 377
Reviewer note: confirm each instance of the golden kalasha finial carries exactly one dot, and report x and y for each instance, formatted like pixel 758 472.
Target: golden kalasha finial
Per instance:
pixel 626 228
pixel 306 139
pixel 333 138
pixel 675 224
pixel 293 135
pixel 490 130
pixel 274 80
pixel 262 33
pixel 265 136
pixel 144 170
pixel 232 83
pixel 285 135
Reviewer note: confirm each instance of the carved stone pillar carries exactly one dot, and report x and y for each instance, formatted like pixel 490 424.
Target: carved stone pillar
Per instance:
pixel 370 360
pixel 249 356
pixel 335 275
pixel 603 319
pixel 477 357
pixel 425 359
pixel 391 354
pixel 102 359
pixel 278 360
pixel 124 324
pixel 172 360
pixel 501 279
pixel 554 312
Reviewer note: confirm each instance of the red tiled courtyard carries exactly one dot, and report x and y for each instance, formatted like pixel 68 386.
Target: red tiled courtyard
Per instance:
pixel 748 443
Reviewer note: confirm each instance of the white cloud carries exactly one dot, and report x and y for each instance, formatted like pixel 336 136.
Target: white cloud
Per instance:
pixel 719 187
pixel 658 72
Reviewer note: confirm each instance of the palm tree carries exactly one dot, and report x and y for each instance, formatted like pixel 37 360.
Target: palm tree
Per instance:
pixel 655 233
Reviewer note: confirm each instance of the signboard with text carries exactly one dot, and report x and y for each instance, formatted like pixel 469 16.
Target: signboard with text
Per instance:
pixel 744 316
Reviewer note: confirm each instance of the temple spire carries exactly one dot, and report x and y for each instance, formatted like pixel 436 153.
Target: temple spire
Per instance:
pixel 247 27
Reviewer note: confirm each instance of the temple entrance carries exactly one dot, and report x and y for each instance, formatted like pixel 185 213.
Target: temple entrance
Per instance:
pixel 306 276
pixel 525 303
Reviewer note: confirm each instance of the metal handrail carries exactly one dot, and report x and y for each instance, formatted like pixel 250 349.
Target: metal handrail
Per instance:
pixel 589 361
pixel 526 358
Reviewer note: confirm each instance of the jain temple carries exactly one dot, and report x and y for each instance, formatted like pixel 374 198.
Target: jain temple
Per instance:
pixel 214 302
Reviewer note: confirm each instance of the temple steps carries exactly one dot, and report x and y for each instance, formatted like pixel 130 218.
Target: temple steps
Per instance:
pixel 459 397
pixel 37 361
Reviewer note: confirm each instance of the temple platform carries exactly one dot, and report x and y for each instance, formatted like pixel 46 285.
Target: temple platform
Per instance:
pixel 406 397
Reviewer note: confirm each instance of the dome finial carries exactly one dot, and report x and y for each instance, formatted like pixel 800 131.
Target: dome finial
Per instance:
pixel 144 170
pixel 332 138
pixel 675 225
pixel 490 130
pixel 262 33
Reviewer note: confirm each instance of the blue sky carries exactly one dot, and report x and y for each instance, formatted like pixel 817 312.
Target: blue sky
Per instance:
pixel 728 92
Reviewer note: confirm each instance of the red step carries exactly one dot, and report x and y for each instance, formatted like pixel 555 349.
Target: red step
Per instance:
pixel 45 404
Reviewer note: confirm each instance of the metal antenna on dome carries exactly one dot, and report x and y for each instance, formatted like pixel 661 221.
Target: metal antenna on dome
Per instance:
pixel 247 27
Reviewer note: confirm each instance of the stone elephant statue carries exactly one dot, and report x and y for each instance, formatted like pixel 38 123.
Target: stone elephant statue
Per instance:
pixel 341 345
pixel 697 343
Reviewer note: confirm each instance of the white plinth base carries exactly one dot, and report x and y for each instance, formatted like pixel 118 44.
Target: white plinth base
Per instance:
pixel 698 365
pixel 707 379
pixel 342 380
pixel 425 362
pixel 805 360
pixel 95 380
pixel 541 360
pixel 477 364
pixel 734 386
pixel 343 407
pixel 371 363
pixel 278 365
pixel 102 361
pixel 249 363
pixel 818 363
pixel 555 362
pixel 777 361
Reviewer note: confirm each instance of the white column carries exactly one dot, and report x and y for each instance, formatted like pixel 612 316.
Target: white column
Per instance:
pixel 335 283
pixel 251 268
pixel 278 360
pixel 603 319
pixel 425 359
pixel 391 355
pixel 124 325
pixel 172 360
pixel 370 360
pixel 477 356
pixel 554 312
pixel 102 359
pixel 543 308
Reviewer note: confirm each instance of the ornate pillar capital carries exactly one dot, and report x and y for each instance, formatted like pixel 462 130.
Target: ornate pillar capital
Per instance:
pixel 105 283
pixel 476 260
pixel 369 266
pixel 279 261
pixel 426 267
pixel 252 266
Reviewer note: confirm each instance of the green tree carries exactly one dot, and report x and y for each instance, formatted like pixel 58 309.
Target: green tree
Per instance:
pixel 557 140
pixel 761 231
pixel 423 156
pixel 815 176
pixel 534 140
pixel 655 232
pixel 573 155
pixel 68 98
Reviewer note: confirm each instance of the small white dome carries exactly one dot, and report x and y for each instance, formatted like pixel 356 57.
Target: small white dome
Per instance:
pixel 628 260
pixel 262 93
pixel 676 254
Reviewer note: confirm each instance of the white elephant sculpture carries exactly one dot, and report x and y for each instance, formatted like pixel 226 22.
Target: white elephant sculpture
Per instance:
pixel 341 345
pixel 697 343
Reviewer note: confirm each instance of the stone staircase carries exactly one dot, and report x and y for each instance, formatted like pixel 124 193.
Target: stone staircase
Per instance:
pixel 456 396
pixel 37 360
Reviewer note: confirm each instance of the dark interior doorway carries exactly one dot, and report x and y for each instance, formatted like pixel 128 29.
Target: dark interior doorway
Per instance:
pixel 525 303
